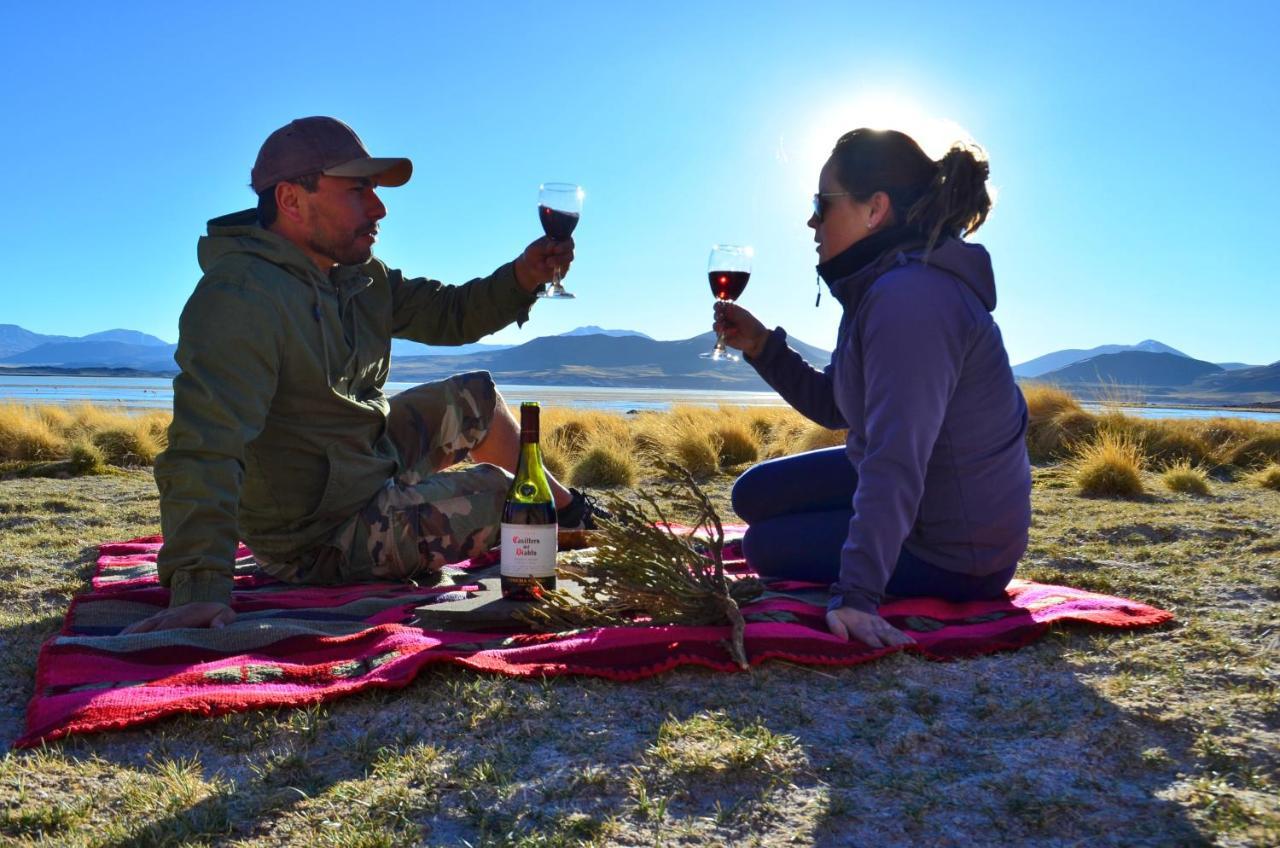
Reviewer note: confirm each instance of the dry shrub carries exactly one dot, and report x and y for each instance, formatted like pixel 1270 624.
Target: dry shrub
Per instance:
pixel 566 433
pixel 1176 442
pixel 1061 435
pixel 555 461
pixel 570 435
pixel 1045 401
pixel 1185 478
pixel 764 420
pixel 88 419
pixel 604 464
pixel 129 443
pixel 1256 452
pixel 86 458
pixel 1268 478
pixel 817 437
pixel 684 435
pixel 157 424
pixel 25 435
pixel 739 443
pixel 786 436
pixel 1109 466
pixel 57 417
pixel 1225 432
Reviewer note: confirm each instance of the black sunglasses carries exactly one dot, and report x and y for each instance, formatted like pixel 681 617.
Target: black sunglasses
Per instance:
pixel 819 207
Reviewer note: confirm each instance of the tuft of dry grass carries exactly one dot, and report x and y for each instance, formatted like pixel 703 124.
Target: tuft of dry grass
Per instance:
pixel 1268 478
pixel 1175 442
pixel 1257 451
pixel 739 440
pixel 817 437
pixel 128 443
pixel 1045 401
pixel 26 435
pixel 1109 467
pixel 682 435
pixel 1185 478
pixel 605 462
pixel 1060 435
pixel 84 458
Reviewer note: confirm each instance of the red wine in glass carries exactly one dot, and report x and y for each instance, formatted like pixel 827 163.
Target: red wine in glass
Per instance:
pixel 556 224
pixel 728 285
pixel 559 208
pixel 728 270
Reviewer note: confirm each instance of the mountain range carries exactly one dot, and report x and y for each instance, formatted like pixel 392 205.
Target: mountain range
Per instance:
pixel 1157 377
pixel 595 356
pixel 635 361
pixel 583 356
pixel 1062 358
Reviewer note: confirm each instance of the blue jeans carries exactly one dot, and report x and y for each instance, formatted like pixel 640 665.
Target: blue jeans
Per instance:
pixel 799 509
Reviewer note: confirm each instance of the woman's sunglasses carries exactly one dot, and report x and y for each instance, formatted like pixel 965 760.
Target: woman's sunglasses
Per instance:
pixel 819 202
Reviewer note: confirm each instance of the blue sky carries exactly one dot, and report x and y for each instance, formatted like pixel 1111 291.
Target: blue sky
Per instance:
pixel 1132 145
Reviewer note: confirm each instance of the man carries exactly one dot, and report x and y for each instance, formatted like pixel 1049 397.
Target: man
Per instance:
pixel 281 432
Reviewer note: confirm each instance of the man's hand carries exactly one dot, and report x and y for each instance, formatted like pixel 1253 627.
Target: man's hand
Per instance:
pixel 540 260
pixel 866 627
pixel 199 614
pixel 740 328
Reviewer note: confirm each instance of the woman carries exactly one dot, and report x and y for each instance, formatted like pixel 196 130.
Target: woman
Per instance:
pixel 931 493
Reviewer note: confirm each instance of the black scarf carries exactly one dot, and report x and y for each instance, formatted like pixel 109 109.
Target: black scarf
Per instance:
pixel 863 253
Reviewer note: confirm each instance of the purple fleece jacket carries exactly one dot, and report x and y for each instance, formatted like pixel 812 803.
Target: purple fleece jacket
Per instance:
pixel 937 425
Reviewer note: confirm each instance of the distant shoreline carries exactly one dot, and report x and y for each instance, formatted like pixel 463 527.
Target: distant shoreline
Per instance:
pixel 53 371
pixel 1265 407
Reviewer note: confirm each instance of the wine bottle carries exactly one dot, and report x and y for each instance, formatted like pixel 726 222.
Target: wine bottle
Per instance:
pixel 528 520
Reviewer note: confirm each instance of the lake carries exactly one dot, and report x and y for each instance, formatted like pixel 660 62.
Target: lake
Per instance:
pixel 151 393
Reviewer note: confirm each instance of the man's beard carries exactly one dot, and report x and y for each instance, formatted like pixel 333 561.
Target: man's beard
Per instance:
pixel 345 253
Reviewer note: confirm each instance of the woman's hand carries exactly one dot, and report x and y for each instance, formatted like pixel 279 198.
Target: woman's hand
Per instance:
pixel 866 627
pixel 740 329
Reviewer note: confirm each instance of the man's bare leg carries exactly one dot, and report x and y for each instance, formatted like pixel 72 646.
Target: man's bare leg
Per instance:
pixel 501 447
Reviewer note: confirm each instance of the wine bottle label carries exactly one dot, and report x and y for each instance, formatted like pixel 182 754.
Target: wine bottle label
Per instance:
pixel 528 550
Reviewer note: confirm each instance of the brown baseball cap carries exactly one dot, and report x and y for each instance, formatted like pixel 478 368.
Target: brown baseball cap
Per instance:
pixel 321 145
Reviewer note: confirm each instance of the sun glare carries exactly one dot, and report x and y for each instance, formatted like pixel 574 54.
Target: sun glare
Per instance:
pixel 882 111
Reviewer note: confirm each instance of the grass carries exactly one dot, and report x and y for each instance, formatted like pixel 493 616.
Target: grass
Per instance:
pixel 1269 478
pixel 1185 478
pixel 1158 737
pixel 1110 466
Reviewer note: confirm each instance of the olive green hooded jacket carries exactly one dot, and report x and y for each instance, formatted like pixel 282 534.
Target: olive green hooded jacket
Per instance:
pixel 279 418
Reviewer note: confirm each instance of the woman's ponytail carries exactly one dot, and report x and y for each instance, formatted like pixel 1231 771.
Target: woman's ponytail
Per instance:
pixel 956 201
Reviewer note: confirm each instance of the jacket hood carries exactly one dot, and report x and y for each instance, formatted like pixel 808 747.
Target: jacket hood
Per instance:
pixel 239 233
pixel 969 263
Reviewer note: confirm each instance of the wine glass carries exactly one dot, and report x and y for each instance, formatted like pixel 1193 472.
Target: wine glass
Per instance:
pixel 559 207
pixel 728 270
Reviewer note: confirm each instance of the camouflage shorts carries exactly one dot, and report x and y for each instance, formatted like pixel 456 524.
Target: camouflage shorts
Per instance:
pixel 426 516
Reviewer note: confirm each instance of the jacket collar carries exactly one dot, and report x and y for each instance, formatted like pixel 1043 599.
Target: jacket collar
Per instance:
pixel 849 273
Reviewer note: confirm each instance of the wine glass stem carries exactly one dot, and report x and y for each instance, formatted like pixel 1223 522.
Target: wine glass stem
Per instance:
pixel 720 333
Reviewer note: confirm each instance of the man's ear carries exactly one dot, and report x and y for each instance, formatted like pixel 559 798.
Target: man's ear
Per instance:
pixel 289 201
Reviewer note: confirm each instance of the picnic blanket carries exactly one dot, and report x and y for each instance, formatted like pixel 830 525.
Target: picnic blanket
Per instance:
pixel 294 645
